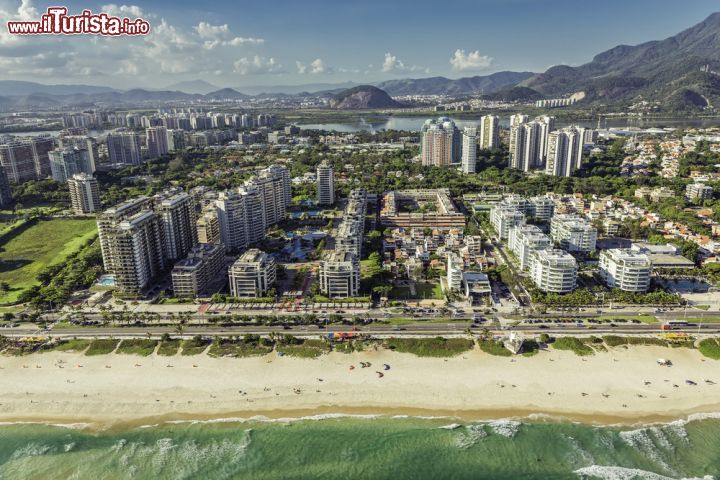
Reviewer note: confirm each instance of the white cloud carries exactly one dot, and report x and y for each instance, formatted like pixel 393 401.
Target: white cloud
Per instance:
pixel 220 36
pixel 317 66
pixel 130 11
pixel 256 65
pixel 463 62
pixel 392 64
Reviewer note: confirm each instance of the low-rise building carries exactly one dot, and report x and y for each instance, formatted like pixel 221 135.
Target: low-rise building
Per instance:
pixel 504 217
pixel 573 233
pixel 476 287
pixel 553 271
pixel 625 269
pixel 525 239
pixel 192 275
pixel 252 275
pixel 340 275
pixel 698 191
pixel 454 272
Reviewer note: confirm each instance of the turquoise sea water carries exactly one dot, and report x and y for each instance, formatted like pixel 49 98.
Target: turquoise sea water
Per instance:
pixel 365 448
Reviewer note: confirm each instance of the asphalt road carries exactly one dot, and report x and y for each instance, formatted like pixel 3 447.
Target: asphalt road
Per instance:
pixel 429 329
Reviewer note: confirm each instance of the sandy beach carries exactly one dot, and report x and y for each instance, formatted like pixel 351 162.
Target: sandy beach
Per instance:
pixel 621 386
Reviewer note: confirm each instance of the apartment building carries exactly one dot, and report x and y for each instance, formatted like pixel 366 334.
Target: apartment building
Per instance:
pixel 84 193
pixel 192 275
pixel 124 147
pixel 540 208
pixel 553 271
pixel 573 233
pixel 66 162
pixel 441 143
pixel 26 158
pixel 208 227
pixel 625 269
pixel 325 184
pixel 564 152
pixel 698 191
pixel 157 141
pixel 469 150
pixel 503 217
pixel 108 221
pixel 136 248
pixel 489 132
pixel 340 275
pixel 454 272
pixel 252 275
pixel 177 215
pixel 523 240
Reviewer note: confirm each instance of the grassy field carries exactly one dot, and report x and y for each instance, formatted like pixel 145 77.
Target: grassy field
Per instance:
pixel 101 346
pixel 137 346
pixel 708 319
pixel 430 347
pixel 28 250
pixel 710 347
pixel 422 291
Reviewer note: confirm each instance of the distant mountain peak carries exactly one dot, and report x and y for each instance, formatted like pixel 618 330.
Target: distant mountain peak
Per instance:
pixel 363 97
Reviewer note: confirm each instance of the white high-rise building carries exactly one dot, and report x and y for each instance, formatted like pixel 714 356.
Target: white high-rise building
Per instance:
pixel 469 149
pixel 252 275
pixel 232 220
pixel 564 152
pixel 625 269
pixel 157 141
pixel 546 125
pixel 325 184
pixel 84 193
pixel 177 217
pixel 136 247
pixel 525 146
pixel 441 143
pixel 66 162
pixel 489 132
pixel 124 147
pixel 518 119
pixel 553 271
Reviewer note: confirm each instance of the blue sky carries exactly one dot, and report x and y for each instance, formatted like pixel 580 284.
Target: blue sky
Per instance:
pixel 318 41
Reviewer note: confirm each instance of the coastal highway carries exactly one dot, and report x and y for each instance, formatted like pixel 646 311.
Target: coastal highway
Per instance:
pixel 377 329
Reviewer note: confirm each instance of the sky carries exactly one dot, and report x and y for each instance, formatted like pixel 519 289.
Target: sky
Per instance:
pixel 281 42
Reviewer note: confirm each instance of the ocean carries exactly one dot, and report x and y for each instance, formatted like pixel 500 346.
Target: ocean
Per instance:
pixel 353 447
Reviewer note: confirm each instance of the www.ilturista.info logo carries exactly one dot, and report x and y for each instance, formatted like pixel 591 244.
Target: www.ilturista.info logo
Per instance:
pixel 57 22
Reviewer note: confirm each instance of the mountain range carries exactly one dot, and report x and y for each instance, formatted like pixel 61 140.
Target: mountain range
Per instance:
pixel 678 71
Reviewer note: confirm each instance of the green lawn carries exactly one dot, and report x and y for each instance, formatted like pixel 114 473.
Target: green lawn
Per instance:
pixel 708 319
pixel 430 347
pixel 422 291
pixel 26 253
pixel 137 346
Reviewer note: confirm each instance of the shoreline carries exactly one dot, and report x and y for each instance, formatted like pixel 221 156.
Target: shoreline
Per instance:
pixel 321 413
pixel 623 387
